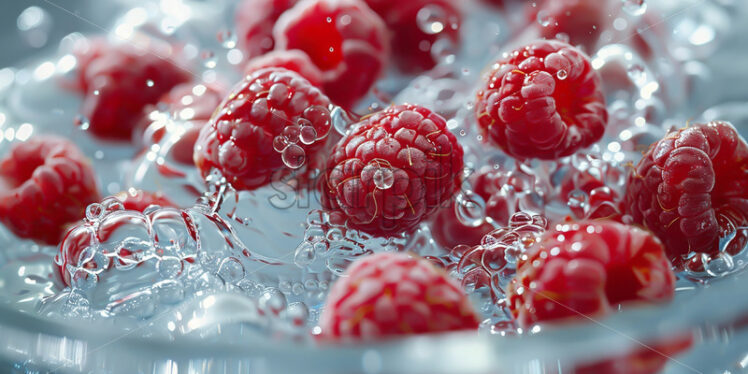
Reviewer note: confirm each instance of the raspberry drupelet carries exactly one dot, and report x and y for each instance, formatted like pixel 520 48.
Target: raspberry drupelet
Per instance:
pixel 392 294
pixel 542 101
pixel 691 190
pixel 272 121
pixel 587 269
pixel 393 170
pixel 46 184
pixel 344 38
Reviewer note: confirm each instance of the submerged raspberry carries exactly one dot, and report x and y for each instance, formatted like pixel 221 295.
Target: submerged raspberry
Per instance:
pixel 392 294
pixel 344 38
pixel 691 190
pixel 542 101
pixel 393 170
pixel 586 270
pixel 272 121
pixel 46 185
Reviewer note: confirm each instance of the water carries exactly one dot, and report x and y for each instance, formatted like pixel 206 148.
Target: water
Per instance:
pixel 264 260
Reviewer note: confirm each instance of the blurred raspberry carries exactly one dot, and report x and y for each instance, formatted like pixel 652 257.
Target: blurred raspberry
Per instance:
pixel 393 170
pixel 691 190
pixel 415 26
pixel 46 185
pixel 587 269
pixel 582 21
pixel 274 120
pixel 344 38
pixel 254 22
pixel 122 81
pixel 392 294
pixel 542 101
pixel 293 60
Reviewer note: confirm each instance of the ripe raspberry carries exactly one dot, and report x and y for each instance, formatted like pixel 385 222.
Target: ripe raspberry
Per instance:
pixel 78 239
pixel 271 118
pixel 122 81
pixel 582 21
pixel 190 103
pixel 254 24
pixel 543 101
pixel 691 190
pixel 587 269
pixel 393 170
pixel 392 294
pixel 344 38
pixel 415 26
pixel 46 185
pixel 293 60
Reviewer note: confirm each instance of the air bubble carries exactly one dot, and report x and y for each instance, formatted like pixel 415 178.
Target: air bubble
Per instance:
pixel 293 156
pixel 272 302
pixel 383 178
pixel 543 18
pixel 308 134
pixel 562 74
pixel 82 122
pixel 95 212
pixel 470 209
pixel 432 19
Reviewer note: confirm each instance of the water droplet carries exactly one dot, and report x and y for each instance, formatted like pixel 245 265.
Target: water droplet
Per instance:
pixel 81 121
pixel 562 74
pixel 305 254
pixel 634 7
pixel 293 156
pixel 308 134
pixel 231 270
pixel 279 144
pixel 272 302
pixel 470 209
pixel 432 19
pixel 543 18
pixel 210 60
pixel 149 83
pixel 227 39
pixel 383 177
pixel 95 212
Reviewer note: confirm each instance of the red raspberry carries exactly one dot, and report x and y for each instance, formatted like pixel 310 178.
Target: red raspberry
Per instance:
pixel 47 185
pixel 273 116
pixel 449 231
pixel 254 24
pixel 582 21
pixel 293 60
pixel 190 103
pixel 415 26
pixel 392 294
pixel 543 101
pixel 122 81
pixel 587 269
pixel 393 170
pixel 691 190
pixel 344 38
pixel 78 239
pixel 85 50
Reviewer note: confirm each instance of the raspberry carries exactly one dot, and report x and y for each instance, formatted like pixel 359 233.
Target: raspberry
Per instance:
pixel 542 101
pixel 293 60
pixel 78 238
pixel 122 81
pixel 582 21
pixel 393 170
pixel 601 201
pixel 587 269
pixel 691 190
pixel 254 24
pixel 271 118
pixel 392 294
pixel 85 50
pixel 415 26
pixel 47 185
pixel 344 38
pixel 190 103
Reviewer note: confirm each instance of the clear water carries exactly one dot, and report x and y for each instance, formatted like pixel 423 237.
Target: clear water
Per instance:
pixel 264 260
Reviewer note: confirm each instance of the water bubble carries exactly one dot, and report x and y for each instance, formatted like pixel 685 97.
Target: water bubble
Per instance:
pixel 82 122
pixel 634 7
pixel 95 212
pixel 210 60
pixel 720 265
pixel 562 74
pixel 297 314
pixel 227 39
pixel 470 209
pixel 383 177
pixel 432 19
pixel 305 254
pixel 308 134
pixel 544 18
pixel 231 270
pixel 293 156
pixel 272 302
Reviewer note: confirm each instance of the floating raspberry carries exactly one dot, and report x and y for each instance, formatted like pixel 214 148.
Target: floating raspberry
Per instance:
pixel 293 60
pixel 254 24
pixel 415 26
pixel 691 190
pixel 344 38
pixel 122 81
pixel 588 269
pixel 392 294
pixel 78 238
pixel 542 101
pixel 393 170
pixel 582 21
pixel 272 121
pixel 46 185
